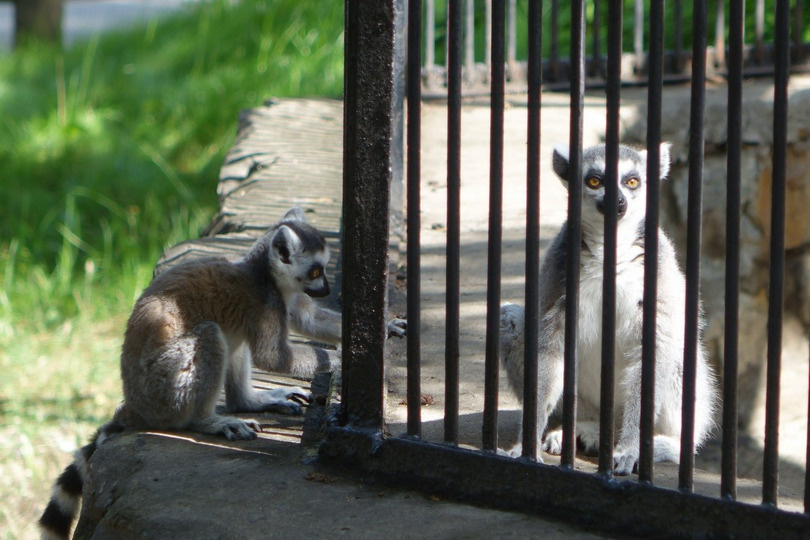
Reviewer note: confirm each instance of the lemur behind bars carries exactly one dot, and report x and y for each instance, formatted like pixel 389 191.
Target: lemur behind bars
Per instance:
pixel 670 311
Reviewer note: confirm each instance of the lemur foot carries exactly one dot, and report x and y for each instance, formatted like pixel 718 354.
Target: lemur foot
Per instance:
pixel 286 400
pixel 397 328
pixel 233 429
pixel 625 459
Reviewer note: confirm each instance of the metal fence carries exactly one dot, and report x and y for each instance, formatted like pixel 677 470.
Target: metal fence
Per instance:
pixel 476 19
pixel 355 435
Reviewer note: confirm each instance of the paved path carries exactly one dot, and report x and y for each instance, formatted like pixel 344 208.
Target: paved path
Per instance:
pixel 83 18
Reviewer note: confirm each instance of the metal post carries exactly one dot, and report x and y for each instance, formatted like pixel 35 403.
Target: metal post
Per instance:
pixel 492 361
pixel 645 460
pixel 569 398
pixel 613 90
pixel 414 285
pixel 531 321
pixel 452 352
pixel 728 481
pixel 368 107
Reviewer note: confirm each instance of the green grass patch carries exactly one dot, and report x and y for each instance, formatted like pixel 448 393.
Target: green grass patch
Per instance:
pixel 110 153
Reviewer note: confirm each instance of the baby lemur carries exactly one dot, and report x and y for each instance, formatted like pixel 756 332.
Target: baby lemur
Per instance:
pixel 197 329
pixel 629 292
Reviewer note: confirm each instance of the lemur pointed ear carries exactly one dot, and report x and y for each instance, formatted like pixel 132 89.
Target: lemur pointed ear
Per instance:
pixel 294 214
pixel 559 160
pixel 663 162
pixel 285 242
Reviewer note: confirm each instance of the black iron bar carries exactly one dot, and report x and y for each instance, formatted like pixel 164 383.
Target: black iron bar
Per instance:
pixel 678 36
pixel 555 41
pixel 569 398
pixel 595 65
pixel 807 456
pixel 531 321
pixel 613 91
pixel 367 136
pixel 490 427
pixel 728 480
pixel 655 85
pixel 798 27
pixel 770 466
pixel 414 137
pixel 694 214
pixel 452 353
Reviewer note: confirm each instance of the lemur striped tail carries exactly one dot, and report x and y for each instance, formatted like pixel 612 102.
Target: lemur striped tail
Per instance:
pixel 63 508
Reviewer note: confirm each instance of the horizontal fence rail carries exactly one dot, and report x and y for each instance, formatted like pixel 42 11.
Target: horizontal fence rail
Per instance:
pixel 485 475
pixel 758 52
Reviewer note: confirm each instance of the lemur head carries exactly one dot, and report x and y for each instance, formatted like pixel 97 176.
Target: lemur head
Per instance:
pixel 298 256
pixel 632 201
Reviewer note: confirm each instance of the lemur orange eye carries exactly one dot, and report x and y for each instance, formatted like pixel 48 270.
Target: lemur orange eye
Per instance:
pixel 632 182
pixel 593 182
pixel 315 273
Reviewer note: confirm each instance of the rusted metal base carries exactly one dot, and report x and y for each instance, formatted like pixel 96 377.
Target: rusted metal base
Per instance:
pixel 588 500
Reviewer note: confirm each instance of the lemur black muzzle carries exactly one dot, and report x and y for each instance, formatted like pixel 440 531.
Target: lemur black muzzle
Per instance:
pixel 320 292
pixel 600 205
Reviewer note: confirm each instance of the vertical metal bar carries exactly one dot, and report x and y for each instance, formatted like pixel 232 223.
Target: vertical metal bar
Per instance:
pixel 638 34
pixel 728 480
pixel 595 67
pixel 469 35
pixel 531 321
pixel 655 83
pixel 368 91
pixel 569 398
pixel 720 35
pixel 678 36
pixel 555 41
pixel 798 26
pixel 807 456
pixel 414 391
pixel 430 34
pixel 490 427
pixel 452 353
pixel 613 91
pixel 770 473
pixel 694 214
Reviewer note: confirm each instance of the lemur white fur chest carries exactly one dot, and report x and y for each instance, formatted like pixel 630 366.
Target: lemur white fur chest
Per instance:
pixel 629 293
pixel 630 269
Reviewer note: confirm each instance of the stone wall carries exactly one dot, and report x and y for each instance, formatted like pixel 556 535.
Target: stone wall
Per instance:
pixel 757 137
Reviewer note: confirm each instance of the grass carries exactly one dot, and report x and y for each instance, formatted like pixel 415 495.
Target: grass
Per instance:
pixel 110 153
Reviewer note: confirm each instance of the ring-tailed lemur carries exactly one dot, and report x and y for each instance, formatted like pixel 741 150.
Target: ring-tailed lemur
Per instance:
pixel 629 293
pixel 197 329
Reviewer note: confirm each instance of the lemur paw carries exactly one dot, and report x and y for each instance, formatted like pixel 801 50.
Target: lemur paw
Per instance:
pixel 625 460
pixel 516 452
pixel 236 429
pixel 397 327
pixel 552 444
pixel 285 400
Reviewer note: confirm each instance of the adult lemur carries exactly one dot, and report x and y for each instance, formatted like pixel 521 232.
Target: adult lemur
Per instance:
pixel 629 292
pixel 198 327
